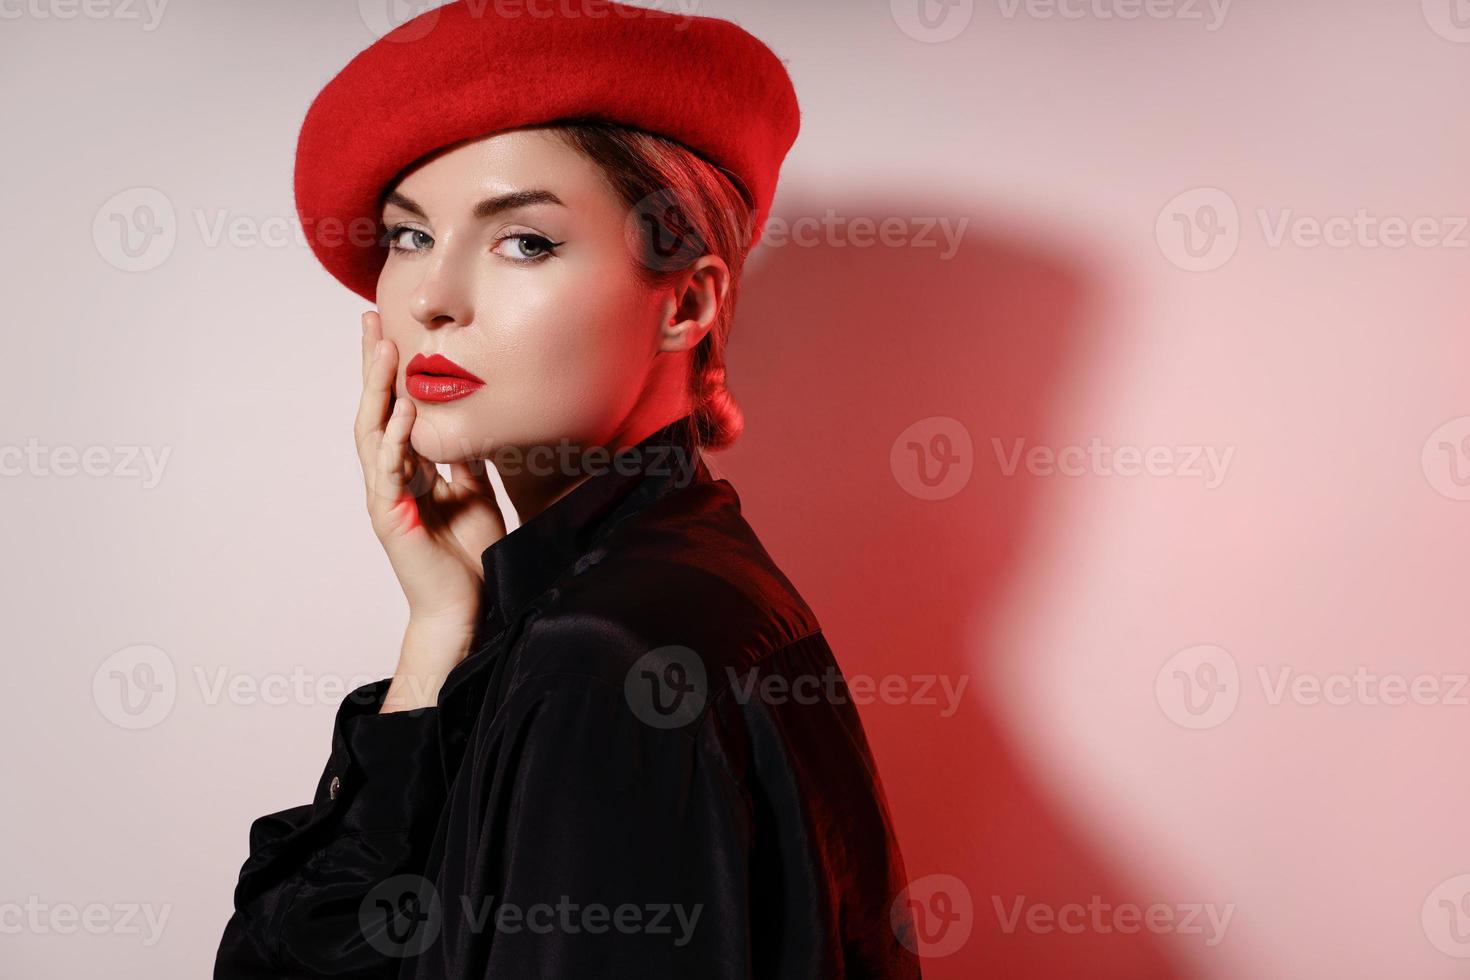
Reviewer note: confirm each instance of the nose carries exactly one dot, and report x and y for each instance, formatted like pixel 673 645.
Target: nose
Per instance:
pixel 442 296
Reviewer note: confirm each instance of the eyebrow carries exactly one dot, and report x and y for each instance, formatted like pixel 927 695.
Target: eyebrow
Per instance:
pixel 487 208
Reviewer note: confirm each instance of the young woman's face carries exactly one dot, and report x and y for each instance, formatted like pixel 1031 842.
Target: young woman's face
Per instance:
pixel 538 298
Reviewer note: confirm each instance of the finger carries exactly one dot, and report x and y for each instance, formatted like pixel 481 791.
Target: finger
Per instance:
pixel 391 471
pixel 372 332
pixel 414 476
pixel 472 474
pixel 377 401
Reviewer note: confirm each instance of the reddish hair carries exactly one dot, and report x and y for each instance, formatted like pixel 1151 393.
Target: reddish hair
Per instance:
pixel 684 207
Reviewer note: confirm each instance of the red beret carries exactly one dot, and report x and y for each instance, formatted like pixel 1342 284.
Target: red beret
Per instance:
pixel 476 67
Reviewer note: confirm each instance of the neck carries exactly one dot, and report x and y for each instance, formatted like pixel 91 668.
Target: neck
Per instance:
pixel 532 490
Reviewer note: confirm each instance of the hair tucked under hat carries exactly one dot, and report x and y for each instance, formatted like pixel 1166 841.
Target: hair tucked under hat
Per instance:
pixel 692 209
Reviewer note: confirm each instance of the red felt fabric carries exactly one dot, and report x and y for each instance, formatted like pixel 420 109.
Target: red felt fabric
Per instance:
pixel 476 67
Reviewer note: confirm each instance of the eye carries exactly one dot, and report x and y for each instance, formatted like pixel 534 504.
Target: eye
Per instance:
pixel 531 248
pixel 402 238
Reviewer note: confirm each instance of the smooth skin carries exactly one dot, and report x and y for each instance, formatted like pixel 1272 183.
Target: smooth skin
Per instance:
pixel 542 301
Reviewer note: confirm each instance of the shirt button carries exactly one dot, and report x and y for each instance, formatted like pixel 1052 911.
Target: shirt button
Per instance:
pixel 334 787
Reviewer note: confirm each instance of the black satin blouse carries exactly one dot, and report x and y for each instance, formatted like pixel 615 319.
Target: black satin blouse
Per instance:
pixel 647 766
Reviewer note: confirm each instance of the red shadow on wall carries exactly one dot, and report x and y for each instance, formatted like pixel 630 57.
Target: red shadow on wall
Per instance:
pixel 835 352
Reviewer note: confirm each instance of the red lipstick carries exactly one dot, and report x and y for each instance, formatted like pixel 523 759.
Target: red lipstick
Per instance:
pixel 438 379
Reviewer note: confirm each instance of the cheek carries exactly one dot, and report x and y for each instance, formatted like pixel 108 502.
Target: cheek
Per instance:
pixel 393 285
pixel 560 334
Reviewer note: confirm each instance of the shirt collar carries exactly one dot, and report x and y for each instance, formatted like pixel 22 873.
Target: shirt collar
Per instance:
pixel 524 563
pixel 528 560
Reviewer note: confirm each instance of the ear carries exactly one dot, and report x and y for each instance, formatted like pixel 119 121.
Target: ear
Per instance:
pixel 694 304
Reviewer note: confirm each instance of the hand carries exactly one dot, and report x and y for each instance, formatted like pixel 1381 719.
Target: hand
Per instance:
pixel 433 531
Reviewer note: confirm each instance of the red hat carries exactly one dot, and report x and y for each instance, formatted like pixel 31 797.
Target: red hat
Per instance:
pixel 476 67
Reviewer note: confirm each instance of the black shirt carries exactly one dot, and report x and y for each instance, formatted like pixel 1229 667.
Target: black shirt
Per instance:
pixel 647 766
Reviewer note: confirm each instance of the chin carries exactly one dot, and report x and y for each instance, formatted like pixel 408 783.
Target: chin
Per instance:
pixel 448 440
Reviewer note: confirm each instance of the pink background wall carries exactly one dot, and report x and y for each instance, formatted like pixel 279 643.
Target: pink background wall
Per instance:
pixel 1123 739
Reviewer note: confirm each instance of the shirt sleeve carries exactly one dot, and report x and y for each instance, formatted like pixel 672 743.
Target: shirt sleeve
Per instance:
pixel 311 867
pixel 608 847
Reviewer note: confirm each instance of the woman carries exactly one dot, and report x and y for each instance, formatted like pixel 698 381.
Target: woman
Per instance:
pixel 616 743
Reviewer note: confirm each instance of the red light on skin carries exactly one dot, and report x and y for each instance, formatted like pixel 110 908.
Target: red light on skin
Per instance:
pixel 406 509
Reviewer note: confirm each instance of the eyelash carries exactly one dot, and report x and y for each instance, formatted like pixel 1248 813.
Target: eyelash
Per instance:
pixel 548 247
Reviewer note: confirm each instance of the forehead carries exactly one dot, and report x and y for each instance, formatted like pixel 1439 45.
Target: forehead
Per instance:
pixel 453 180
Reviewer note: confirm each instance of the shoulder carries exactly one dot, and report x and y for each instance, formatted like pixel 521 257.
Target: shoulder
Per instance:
pixel 685 577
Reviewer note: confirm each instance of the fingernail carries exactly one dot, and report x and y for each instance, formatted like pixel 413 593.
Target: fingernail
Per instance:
pixel 400 407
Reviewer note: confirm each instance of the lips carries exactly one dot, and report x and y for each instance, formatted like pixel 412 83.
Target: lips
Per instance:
pixel 436 378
